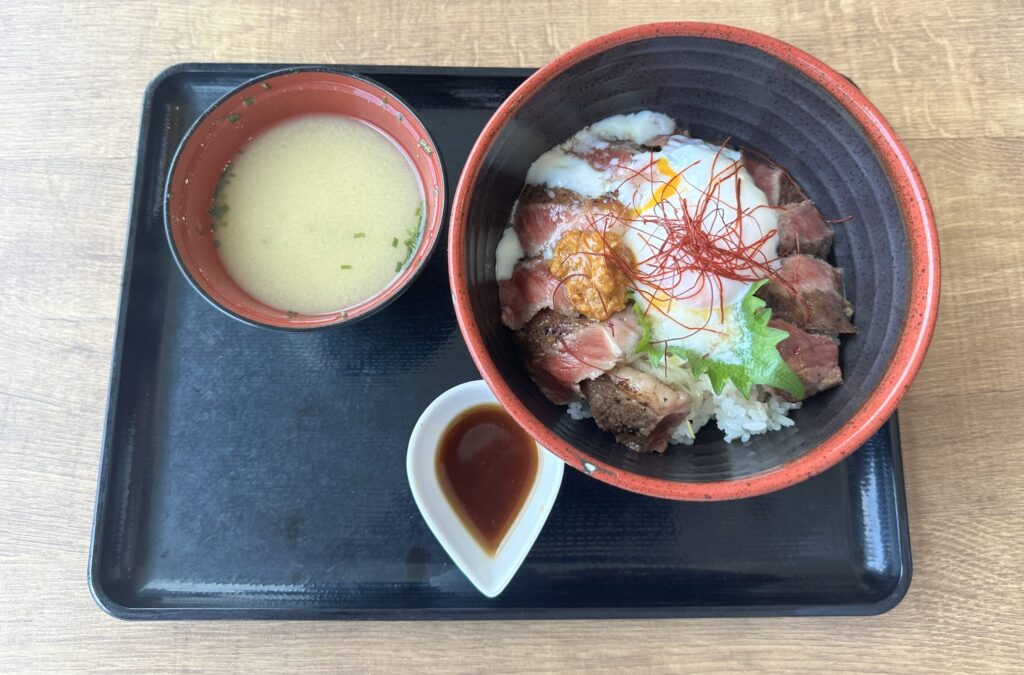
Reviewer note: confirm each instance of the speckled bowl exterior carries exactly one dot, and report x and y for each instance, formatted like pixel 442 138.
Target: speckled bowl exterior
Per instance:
pixel 718 82
pixel 242 115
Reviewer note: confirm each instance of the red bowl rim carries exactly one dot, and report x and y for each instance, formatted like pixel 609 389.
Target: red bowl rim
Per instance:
pixel 398 285
pixel 924 266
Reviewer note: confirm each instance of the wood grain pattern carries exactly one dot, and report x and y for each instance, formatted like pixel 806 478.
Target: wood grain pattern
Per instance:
pixel 947 74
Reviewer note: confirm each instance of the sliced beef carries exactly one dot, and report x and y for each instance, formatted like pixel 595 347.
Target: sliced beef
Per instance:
pixel 809 293
pixel 562 351
pixel 611 154
pixel 531 289
pixel 638 408
pixel 776 184
pixel 544 214
pixel 659 142
pixel 803 230
pixel 814 358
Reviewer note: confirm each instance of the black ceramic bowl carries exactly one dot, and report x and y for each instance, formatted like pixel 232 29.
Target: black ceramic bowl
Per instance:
pixel 718 82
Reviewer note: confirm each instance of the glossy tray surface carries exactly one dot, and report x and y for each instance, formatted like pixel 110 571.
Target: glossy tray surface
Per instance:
pixel 256 474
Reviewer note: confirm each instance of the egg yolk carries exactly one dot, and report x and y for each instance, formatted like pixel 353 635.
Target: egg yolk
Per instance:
pixel 590 266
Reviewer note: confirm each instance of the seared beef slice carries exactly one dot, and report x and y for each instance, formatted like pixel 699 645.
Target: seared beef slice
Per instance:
pixel 814 358
pixel 638 408
pixel 565 350
pixel 809 294
pixel 776 184
pixel 803 230
pixel 531 289
pixel 543 215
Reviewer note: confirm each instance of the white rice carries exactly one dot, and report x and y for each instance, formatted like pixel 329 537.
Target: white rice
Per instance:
pixel 579 410
pixel 738 417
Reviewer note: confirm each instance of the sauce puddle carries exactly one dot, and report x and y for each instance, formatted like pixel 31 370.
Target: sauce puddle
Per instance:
pixel 486 465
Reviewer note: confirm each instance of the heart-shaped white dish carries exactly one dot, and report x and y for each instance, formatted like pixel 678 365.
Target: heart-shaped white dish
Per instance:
pixel 490 574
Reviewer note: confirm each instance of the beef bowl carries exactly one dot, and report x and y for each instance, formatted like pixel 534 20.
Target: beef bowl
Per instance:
pixel 737 90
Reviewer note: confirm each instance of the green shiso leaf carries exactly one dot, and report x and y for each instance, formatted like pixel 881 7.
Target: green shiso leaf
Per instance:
pixel 753 358
pixel 654 352
pixel 645 329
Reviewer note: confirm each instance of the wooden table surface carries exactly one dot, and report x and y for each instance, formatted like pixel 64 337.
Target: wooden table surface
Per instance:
pixel 948 75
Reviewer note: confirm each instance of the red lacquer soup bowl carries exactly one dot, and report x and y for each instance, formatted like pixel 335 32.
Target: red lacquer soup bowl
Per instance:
pixel 242 115
pixel 718 82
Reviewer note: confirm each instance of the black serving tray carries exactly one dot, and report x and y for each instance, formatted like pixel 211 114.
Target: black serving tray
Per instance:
pixel 256 474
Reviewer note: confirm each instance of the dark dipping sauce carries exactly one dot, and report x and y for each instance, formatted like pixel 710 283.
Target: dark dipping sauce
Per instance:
pixel 486 465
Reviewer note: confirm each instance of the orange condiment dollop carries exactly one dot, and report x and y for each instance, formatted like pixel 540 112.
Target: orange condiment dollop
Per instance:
pixel 589 265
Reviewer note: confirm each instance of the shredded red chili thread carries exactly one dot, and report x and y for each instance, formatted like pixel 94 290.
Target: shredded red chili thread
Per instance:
pixel 697 238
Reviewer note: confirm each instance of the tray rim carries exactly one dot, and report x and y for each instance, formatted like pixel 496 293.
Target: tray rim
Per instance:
pixel 139 613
